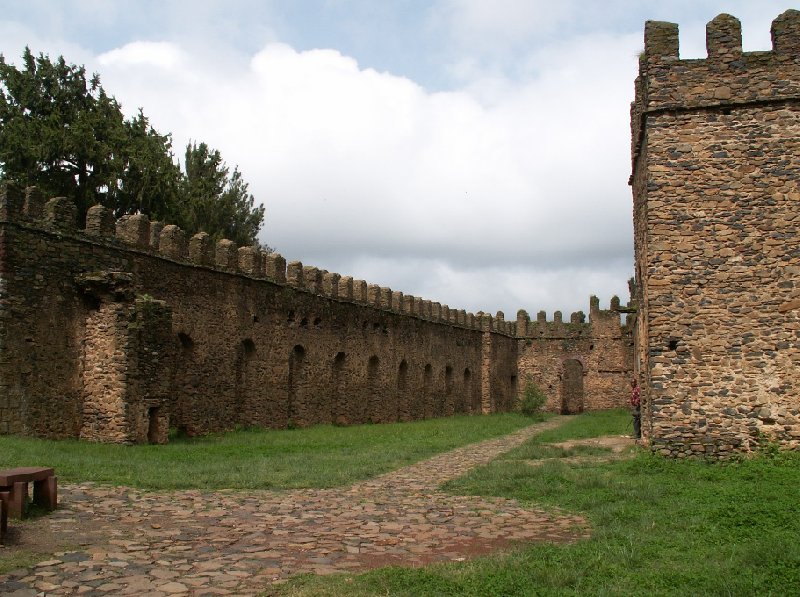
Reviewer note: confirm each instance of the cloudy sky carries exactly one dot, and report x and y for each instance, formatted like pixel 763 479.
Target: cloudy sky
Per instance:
pixel 473 152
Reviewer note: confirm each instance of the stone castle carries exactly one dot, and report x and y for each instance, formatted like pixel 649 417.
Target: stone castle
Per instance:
pixel 716 187
pixel 117 331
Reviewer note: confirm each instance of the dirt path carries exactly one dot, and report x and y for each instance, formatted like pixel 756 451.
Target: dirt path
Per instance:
pixel 128 542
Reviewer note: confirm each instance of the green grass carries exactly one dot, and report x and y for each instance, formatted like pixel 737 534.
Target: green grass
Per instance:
pixel 322 456
pixel 660 527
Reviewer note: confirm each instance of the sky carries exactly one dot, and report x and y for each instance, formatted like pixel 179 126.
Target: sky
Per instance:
pixel 471 152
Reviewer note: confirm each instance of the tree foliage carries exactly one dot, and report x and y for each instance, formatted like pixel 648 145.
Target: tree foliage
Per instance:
pixel 62 132
pixel 219 200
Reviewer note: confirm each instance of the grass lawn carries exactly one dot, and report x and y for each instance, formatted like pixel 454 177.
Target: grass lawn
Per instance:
pixel 322 456
pixel 660 527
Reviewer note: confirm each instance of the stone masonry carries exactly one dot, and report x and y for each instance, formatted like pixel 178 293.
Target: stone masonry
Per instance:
pixel 121 330
pixel 716 171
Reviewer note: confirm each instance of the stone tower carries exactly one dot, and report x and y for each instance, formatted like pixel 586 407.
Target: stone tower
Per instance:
pixel 716 187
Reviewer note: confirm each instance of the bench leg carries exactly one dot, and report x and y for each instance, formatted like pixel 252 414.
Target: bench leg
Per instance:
pixel 3 522
pixel 14 500
pixel 45 493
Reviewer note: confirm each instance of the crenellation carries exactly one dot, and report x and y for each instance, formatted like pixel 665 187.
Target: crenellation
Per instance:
pixel 295 274
pixel 386 298
pixel 61 214
pixel 660 41
pixel 436 311
pixel 374 295
pixel 397 302
pixel 132 229
pixel 226 255
pixel 724 39
pixel 330 284
pixel 200 249
pixel 360 292
pixel 409 307
pixel 275 267
pixel 346 288
pixel 427 310
pixel 557 318
pixel 172 242
pixel 11 202
pixel 155 235
pixel 419 307
pixel 100 222
pixel 785 32
pixel 312 279
pixel 33 206
pixel 250 261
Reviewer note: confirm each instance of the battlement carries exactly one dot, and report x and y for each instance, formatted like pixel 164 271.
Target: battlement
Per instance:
pixel 577 326
pixel 136 232
pixel 727 79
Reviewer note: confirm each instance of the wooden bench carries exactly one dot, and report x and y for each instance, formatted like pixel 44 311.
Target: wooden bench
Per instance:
pixel 14 490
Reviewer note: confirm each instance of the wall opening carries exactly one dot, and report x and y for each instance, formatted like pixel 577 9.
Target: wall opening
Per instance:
pixel 572 387
pixel 153 427
pixel 295 382
pixel 424 409
pixel 402 391
pixel 448 380
pixel 402 376
pixel 244 371
pixel 466 401
pixel 373 388
pixel 187 344
pixel 447 406
pixel 187 381
pixel 339 414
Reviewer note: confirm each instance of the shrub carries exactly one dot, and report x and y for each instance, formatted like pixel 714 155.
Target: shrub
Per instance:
pixel 533 399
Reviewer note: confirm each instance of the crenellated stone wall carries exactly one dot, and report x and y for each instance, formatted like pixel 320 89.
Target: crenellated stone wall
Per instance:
pixel 716 185
pixel 120 330
pixel 579 365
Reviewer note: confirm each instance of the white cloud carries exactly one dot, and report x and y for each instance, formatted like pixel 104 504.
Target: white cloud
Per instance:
pixel 500 183
pixel 502 194
pixel 161 55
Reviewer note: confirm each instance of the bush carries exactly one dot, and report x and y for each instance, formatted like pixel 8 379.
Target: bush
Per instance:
pixel 533 400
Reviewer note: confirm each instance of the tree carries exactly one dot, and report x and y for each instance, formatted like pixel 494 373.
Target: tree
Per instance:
pixel 67 136
pixel 216 201
pixel 64 134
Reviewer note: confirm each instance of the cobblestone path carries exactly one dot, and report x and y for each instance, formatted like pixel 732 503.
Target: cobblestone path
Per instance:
pixel 129 542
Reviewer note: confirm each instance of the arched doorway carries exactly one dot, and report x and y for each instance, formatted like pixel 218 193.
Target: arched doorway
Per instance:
pixel 572 387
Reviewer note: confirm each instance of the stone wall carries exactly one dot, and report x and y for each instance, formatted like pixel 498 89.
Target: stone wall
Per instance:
pixel 120 330
pixel 716 165
pixel 579 365
pixel 117 331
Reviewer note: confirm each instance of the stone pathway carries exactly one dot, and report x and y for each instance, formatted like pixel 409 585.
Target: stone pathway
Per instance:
pixel 130 542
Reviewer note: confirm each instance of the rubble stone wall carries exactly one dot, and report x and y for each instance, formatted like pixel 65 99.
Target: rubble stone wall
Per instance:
pixel 117 331
pixel 716 184
pixel 552 353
